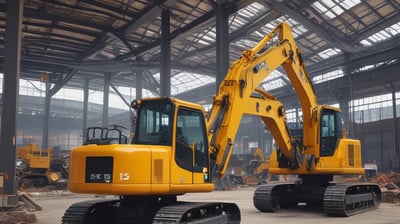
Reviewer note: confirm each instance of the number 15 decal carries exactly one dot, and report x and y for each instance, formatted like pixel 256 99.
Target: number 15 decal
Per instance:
pixel 123 176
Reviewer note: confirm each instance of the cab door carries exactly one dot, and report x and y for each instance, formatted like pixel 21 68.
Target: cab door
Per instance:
pixel 191 152
pixel 331 131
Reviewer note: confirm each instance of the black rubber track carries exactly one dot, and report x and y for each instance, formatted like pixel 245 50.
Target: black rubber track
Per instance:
pixel 351 199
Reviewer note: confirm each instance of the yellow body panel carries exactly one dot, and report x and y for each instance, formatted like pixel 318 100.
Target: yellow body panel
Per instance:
pixel 345 161
pixel 40 161
pixel 35 157
pixel 137 170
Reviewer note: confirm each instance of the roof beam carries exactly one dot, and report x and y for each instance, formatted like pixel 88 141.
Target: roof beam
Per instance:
pixel 110 66
pixel 237 34
pixel 356 60
pixel 198 25
pixel 149 14
pixel 328 36
pixel 62 82
pixel 378 26
pixel 41 16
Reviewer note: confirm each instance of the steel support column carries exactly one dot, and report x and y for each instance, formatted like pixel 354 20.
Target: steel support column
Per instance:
pixel 85 109
pixel 139 83
pixel 12 52
pixel 348 111
pixel 165 70
pixel 395 131
pixel 106 92
pixel 344 107
pixel 46 117
pixel 50 92
pixel 222 41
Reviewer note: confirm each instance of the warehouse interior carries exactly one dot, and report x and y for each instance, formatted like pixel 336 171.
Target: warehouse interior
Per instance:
pixel 71 64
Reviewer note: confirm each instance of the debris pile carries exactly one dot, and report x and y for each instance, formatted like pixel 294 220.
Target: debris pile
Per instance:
pixel 16 217
pixel 22 213
pixel 390 186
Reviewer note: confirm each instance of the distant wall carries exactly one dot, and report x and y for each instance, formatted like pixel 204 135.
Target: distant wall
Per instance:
pixel 64 133
pixel 378 143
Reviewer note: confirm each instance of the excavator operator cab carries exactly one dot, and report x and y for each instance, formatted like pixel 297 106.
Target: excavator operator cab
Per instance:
pixel 171 122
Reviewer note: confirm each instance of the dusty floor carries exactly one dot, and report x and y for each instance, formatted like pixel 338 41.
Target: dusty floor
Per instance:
pixel 54 205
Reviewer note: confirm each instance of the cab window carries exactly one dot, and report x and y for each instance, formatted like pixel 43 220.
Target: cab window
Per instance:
pixel 191 140
pixel 154 123
pixel 331 131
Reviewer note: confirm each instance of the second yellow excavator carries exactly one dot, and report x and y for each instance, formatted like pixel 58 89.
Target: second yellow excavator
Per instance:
pixel 177 149
pixel 260 165
pixel 37 167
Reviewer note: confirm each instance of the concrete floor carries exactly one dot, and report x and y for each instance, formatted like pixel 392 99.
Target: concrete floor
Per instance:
pixel 54 206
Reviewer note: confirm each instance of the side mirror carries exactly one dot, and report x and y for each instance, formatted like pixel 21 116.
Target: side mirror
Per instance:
pixel 135 104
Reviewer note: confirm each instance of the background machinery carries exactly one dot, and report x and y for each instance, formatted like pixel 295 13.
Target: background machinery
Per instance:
pixel 177 150
pixel 38 167
pixel 260 165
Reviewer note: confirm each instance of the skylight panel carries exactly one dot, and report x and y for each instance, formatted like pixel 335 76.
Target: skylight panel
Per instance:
pixel 239 22
pixel 267 28
pixel 382 35
pixel 333 8
pixel 348 4
pixel 329 53
pixel 299 29
pixel 366 42
pixel 275 74
pixel 244 43
pixel 245 15
pixel 274 84
pixel 318 6
pixel 255 7
pixel 337 10
pixel 366 67
pixel 296 27
pixel 330 14
pixel 328 3
pixel 259 34
pixel 394 29
pixel 186 81
pixel 328 76
pixel 208 38
pixel 251 10
pixel 203 42
pixel 273 81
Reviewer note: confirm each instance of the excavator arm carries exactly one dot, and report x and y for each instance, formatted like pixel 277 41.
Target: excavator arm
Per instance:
pixel 239 94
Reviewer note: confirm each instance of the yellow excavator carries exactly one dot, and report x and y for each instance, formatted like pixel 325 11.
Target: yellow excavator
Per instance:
pixel 177 149
pixel 38 168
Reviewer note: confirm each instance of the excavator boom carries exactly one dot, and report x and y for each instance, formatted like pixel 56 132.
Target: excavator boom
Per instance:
pixel 236 96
